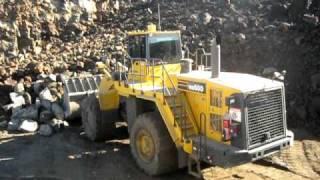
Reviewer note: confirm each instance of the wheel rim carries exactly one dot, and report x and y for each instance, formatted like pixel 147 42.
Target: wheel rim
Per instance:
pixel 145 145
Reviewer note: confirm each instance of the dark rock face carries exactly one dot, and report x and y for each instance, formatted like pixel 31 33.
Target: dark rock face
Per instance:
pixel 41 38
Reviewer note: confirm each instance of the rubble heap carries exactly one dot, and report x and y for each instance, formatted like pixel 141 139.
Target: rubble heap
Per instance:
pixel 41 40
pixel 257 36
pixel 46 109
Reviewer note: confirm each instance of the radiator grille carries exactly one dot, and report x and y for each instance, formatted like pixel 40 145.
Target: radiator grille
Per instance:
pixel 265 117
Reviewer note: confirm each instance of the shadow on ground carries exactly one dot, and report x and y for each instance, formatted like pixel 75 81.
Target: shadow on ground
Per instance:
pixel 69 155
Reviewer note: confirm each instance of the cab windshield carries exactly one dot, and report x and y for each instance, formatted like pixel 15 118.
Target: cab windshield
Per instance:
pixel 165 46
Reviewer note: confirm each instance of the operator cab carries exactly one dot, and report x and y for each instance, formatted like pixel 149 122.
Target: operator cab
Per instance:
pixel 153 44
pixel 152 52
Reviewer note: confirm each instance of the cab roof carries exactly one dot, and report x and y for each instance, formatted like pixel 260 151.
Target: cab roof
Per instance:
pixel 137 33
pixel 151 29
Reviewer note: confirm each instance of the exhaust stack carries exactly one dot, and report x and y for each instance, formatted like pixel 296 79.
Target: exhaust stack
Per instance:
pixel 215 59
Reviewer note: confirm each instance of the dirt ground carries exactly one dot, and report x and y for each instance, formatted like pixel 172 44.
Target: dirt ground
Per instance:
pixel 69 155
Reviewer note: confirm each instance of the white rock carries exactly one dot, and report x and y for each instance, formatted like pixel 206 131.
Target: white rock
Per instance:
pixel 28 126
pixel 206 18
pixel 88 5
pixel 37 50
pixel 16 98
pixel 19 88
pixel 241 37
pixel 52 77
pixel 58 124
pixel 46 95
pixel 17 101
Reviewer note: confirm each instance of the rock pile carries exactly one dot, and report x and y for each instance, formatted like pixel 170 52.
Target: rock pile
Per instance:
pixel 38 103
pixel 306 15
pixel 41 40
pixel 44 37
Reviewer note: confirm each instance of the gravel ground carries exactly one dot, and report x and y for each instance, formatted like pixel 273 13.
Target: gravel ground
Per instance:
pixel 68 155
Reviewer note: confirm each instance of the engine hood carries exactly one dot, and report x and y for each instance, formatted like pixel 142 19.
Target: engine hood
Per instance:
pixel 238 81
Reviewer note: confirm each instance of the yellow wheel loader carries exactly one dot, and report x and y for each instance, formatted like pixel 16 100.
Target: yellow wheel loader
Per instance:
pixel 180 113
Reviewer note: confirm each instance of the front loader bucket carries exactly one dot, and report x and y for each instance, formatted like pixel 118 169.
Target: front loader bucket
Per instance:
pixel 75 90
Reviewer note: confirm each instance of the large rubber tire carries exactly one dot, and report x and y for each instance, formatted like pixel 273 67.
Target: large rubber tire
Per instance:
pixel 97 125
pixel 164 159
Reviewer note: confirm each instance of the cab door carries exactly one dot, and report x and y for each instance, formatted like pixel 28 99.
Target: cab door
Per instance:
pixel 138 58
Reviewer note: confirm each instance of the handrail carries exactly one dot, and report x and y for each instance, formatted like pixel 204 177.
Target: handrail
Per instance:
pixel 203 117
pixel 199 54
pixel 205 55
pixel 153 78
pixel 165 70
pixel 163 83
pixel 153 63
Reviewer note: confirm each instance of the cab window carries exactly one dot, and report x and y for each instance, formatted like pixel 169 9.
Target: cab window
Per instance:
pixel 137 46
pixel 165 46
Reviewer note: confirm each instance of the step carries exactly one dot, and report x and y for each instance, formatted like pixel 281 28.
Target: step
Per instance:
pixel 172 94
pixel 173 101
pixel 189 134
pixel 182 121
pixel 176 106
pixel 179 116
pixel 186 126
pixel 177 109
